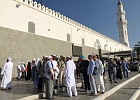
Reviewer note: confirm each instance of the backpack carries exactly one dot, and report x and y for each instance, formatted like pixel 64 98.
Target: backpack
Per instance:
pixel 95 71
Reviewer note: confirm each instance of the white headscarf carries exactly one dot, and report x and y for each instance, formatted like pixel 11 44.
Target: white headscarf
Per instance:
pixel 9 59
pixel 23 63
pixel 37 60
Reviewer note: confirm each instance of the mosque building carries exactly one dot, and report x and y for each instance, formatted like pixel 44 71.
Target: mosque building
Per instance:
pixel 30 30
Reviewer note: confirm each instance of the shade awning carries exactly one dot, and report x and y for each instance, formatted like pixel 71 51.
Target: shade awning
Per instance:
pixel 120 53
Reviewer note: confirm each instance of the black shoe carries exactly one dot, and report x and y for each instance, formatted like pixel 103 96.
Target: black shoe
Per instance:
pixel 81 87
pixel 56 87
pixel 98 91
pixel 115 82
pixel 102 92
pixel 9 88
pixel 60 86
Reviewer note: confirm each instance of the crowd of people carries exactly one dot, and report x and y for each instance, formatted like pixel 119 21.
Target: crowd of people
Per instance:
pixel 52 72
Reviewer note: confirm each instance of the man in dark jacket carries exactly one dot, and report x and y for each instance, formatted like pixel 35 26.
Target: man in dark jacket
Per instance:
pixel 84 66
pixel 112 69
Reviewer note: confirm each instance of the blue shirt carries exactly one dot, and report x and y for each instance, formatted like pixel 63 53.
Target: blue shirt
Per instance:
pixel 91 67
pixel 48 66
pixel 124 66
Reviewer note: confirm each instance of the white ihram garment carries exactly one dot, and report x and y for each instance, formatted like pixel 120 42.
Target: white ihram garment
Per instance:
pixel 70 79
pixel 98 78
pixel 7 75
pixel 18 71
pixel 55 66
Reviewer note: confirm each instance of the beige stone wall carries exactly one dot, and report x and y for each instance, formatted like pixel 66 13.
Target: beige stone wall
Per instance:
pixel 23 46
pixel 89 50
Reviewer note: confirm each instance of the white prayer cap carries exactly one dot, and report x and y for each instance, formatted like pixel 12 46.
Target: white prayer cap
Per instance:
pixel 18 62
pixel 49 57
pixel 34 59
pixel 37 59
pixel 54 55
pixel 22 62
pixel 9 59
pixel 57 56
pixel 68 56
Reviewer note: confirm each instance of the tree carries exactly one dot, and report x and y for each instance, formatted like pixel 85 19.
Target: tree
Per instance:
pixel 137 49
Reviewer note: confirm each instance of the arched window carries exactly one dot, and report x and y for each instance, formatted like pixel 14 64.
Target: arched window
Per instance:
pixel 105 47
pixel 68 37
pixel 97 44
pixel 31 27
pixel 83 41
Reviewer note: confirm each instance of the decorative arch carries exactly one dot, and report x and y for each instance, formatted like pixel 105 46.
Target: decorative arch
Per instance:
pixel 97 44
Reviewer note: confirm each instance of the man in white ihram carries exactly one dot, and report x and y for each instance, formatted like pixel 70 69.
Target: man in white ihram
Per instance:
pixel 99 76
pixel 18 71
pixel 69 77
pixel 7 74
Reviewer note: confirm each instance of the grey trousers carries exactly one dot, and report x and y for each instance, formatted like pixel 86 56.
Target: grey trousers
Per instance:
pixel 113 73
pixel 49 89
pixel 44 84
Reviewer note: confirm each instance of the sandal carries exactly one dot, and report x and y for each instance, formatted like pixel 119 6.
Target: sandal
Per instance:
pixel 53 98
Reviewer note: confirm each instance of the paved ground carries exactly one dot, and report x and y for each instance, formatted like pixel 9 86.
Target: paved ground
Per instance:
pixel 19 90
pixel 127 91
pixel 83 95
pixel 138 98
pixel 23 88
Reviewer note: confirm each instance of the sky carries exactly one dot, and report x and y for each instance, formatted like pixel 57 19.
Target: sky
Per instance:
pixel 100 15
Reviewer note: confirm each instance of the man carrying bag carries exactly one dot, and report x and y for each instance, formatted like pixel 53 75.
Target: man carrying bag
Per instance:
pixel 49 75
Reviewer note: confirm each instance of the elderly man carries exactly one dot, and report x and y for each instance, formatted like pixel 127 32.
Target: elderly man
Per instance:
pixel 49 74
pixel 99 76
pixel 69 77
pixel 7 74
pixel 90 73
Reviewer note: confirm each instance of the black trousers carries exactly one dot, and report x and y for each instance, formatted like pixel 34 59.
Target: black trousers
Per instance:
pixel 86 81
pixel 40 83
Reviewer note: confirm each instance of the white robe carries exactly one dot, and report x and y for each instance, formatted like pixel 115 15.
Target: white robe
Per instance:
pixel 18 68
pixel 69 74
pixel 98 77
pixel 23 68
pixel 18 71
pixel 7 75
pixel 55 66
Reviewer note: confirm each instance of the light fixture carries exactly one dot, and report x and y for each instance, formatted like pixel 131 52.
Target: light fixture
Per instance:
pixel 18 5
